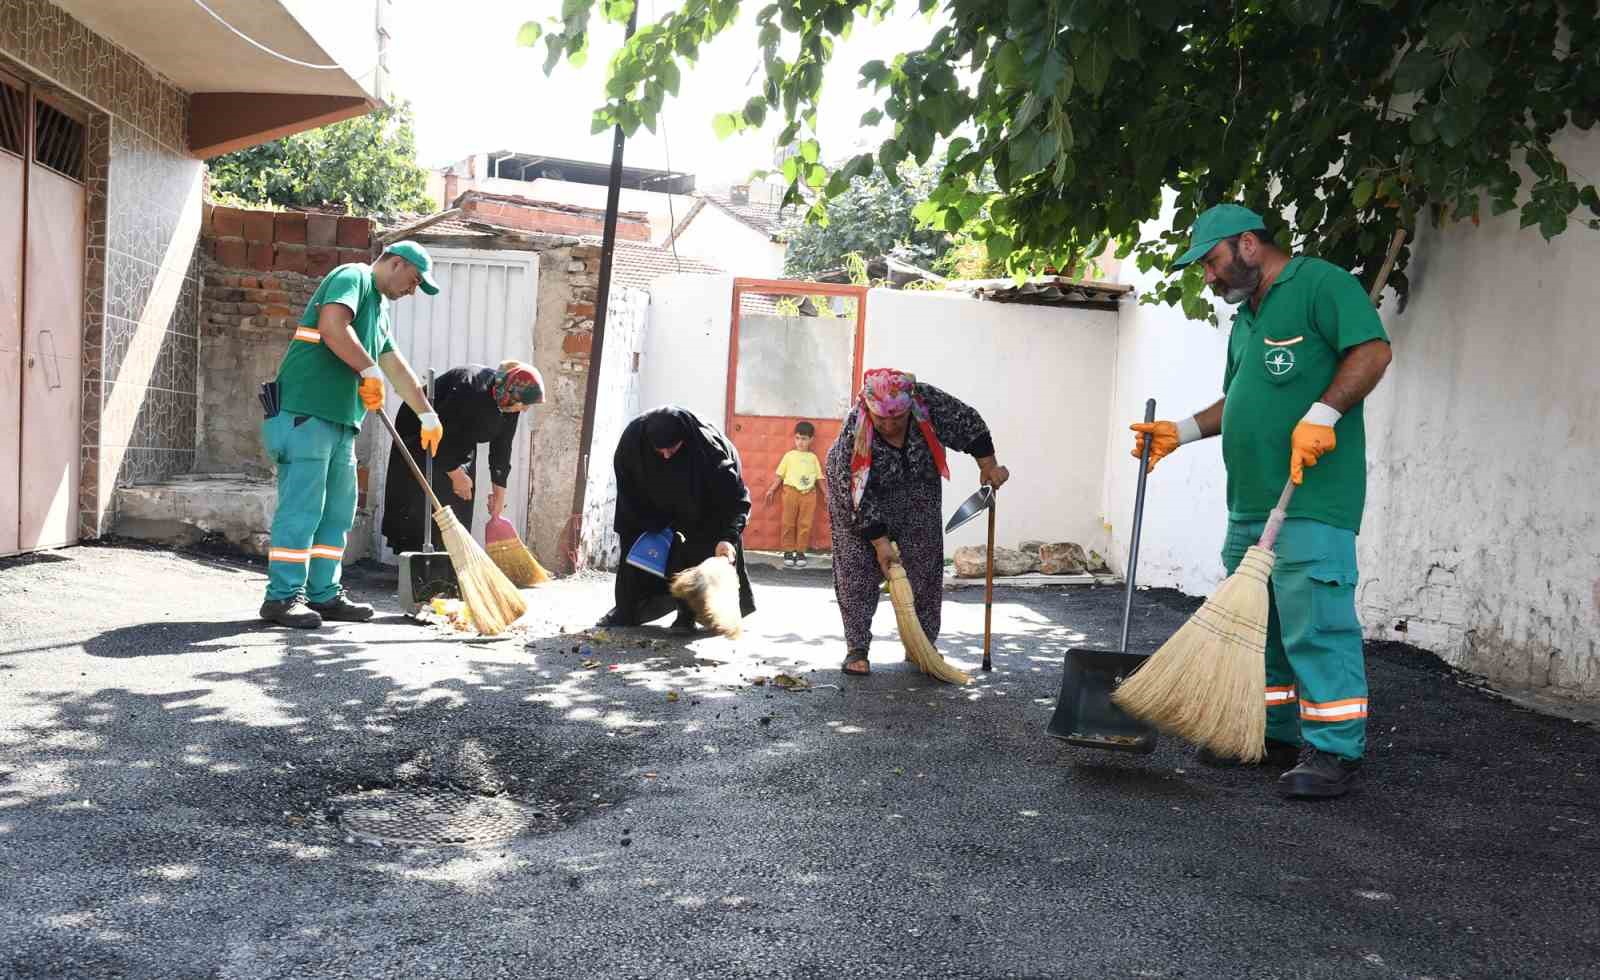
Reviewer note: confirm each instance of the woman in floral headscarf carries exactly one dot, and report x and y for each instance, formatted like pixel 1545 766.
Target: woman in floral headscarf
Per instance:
pixel 883 486
pixel 476 404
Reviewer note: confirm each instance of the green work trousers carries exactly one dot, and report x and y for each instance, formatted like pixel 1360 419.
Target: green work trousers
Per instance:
pixel 1316 675
pixel 316 462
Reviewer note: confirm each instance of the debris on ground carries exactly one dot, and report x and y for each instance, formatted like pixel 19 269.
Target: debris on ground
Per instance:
pixel 791 683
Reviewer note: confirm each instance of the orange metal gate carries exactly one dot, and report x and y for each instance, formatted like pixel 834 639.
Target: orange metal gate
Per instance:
pixel 783 368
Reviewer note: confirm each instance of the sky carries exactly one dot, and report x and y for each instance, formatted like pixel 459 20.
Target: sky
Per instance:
pixel 474 90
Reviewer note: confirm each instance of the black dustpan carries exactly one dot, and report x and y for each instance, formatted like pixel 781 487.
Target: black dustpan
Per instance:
pixel 1085 714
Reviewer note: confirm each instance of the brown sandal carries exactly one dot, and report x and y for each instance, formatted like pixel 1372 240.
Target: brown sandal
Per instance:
pixel 855 657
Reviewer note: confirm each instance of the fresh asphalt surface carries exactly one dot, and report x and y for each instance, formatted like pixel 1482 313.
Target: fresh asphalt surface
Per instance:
pixel 167 768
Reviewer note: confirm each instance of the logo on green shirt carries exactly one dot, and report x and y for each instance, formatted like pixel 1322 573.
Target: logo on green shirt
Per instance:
pixel 1280 361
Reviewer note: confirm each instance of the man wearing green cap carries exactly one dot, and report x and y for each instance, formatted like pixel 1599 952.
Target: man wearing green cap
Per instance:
pixel 330 377
pixel 1305 349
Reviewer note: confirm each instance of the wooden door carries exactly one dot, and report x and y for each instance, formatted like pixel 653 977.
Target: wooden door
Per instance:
pixel 783 369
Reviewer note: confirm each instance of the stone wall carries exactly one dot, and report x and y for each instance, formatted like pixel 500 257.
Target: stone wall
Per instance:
pixel 562 337
pixel 258 271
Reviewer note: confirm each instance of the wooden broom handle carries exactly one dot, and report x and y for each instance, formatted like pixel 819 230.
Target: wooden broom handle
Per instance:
pixel 416 471
pixel 1280 513
pixel 988 591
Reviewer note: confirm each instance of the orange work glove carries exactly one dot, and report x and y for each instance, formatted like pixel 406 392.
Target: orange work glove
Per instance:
pixel 371 389
pixel 1165 436
pixel 1312 437
pixel 432 432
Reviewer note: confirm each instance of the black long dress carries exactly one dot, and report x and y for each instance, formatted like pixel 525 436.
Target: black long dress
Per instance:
pixel 700 493
pixel 470 416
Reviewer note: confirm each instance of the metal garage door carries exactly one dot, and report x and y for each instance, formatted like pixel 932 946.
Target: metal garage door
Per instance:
pixel 483 315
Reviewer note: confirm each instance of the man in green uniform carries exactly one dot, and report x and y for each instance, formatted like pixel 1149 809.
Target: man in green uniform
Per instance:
pixel 1306 348
pixel 330 377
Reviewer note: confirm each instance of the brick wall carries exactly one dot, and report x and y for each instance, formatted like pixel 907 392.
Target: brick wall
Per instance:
pixel 552 219
pixel 258 272
pixel 285 241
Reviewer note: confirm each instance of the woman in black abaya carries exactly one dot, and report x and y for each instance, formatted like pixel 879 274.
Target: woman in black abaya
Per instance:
pixel 476 404
pixel 676 471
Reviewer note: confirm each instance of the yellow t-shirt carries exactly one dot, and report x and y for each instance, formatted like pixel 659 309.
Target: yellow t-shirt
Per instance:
pixel 800 470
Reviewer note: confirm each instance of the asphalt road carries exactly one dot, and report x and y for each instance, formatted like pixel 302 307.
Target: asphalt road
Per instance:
pixel 175 787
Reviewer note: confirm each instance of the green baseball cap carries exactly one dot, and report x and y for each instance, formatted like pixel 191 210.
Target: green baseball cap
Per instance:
pixel 1215 224
pixel 419 257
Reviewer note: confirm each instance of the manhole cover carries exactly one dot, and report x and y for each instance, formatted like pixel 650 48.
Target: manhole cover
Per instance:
pixel 432 817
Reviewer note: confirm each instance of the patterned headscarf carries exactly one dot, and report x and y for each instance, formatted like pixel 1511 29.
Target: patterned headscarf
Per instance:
pixel 517 384
pixel 888 394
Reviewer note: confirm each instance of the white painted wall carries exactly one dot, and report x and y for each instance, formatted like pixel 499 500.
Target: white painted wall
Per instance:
pixel 1179 363
pixel 1482 530
pixel 685 351
pixel 617 404
pixel 1041 378
pixel 731 245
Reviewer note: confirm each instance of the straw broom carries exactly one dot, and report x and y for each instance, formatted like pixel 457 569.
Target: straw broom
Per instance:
pixel 919 650
pixel 711 590
pixel 1206 683
pixel 511 556
pixel 491 600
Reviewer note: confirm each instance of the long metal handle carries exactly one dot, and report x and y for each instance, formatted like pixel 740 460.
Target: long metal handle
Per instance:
pixel 427 522
pixel 1138 522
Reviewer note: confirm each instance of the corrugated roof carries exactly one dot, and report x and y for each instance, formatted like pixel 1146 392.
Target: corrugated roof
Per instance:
pixel 1046 291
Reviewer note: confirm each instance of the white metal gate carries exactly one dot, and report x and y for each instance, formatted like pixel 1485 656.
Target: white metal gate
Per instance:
pixel 483 315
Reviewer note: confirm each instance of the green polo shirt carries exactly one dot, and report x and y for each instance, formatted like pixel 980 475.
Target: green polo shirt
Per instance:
pixel 312 380
pixel 1281 358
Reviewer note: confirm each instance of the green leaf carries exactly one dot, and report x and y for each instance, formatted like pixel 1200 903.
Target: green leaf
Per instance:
pixel 1091 55
pixel 810 150
pixel 1307 13
pixel 670 78
pixel 1125 33
pixel 1446 23
pixel 528 34
pixel 1008 63
pixel 1362 193
pixel 1472 70
pixel 724 124
pixel 872 117
pixel 999 247
pixel 1161 14
pixel 817 175
pixel 1590 198
pixel 1419 69
pixel 791 169
pixel 755 112
pixel 1423 131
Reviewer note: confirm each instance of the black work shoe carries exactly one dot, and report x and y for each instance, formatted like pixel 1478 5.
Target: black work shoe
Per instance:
pixel 293 613
pixel 1279 755
pixel 1320 775
pixel 684 623
pixel 340 609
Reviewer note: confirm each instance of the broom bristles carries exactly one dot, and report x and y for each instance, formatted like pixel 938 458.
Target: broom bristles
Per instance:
pixel 1207 684
pixel 491 600
pixel 919 649
pixel 517 562
pixel 711 590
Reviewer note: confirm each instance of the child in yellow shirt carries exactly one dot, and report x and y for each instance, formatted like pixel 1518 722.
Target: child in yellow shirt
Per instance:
pixel 800 477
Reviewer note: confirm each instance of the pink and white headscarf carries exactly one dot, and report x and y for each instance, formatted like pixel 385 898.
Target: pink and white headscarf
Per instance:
pixel 886 393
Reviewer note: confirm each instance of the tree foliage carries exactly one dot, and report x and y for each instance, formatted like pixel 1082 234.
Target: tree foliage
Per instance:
pixel 869 218
pixel 1340 120
pixel 368 165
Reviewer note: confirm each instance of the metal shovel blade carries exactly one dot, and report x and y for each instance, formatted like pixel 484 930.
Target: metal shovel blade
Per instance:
pixel 970 508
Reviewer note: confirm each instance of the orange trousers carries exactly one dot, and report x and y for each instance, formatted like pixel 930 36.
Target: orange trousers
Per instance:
pixel 799 509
